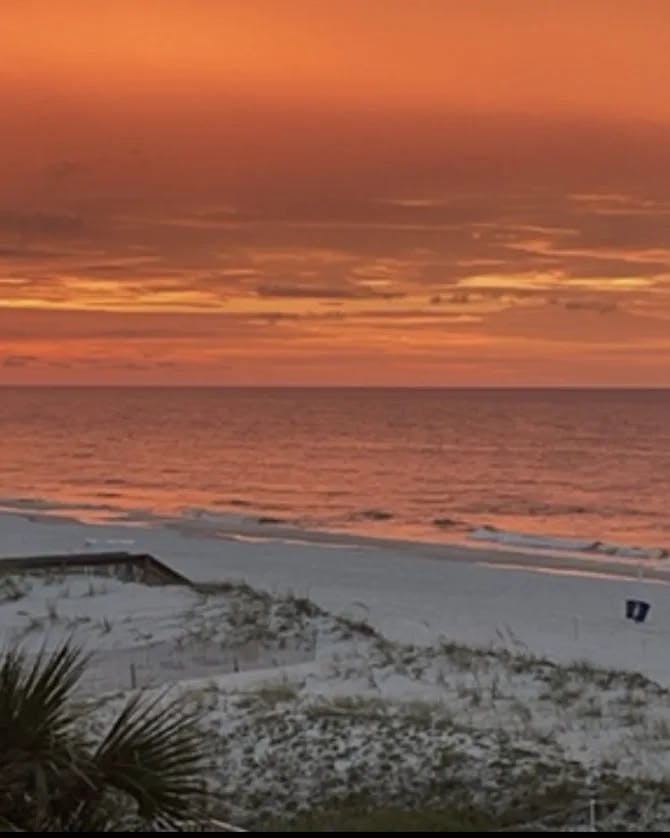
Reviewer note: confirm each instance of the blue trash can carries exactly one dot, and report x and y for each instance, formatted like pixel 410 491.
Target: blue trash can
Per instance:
pixel 642 611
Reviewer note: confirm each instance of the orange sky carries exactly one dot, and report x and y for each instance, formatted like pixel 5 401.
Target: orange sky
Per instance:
pixel 421 192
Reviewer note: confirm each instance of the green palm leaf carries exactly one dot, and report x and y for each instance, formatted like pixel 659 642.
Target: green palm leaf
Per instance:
pixel 36 739
pixel 152 753
pixel 52 779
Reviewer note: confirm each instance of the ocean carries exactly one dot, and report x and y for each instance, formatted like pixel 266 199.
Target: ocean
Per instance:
pixel 515 466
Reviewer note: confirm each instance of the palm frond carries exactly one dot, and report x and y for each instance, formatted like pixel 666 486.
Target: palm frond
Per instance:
pixel 52 780
pixel 33 698
pixel 39 750
pixel 152 753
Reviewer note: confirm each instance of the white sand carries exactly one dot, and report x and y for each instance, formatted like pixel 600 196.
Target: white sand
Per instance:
pixel 412 593
pixel 501 718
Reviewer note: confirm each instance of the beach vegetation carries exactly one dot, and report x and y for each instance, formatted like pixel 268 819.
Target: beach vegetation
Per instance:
pixel 13 590
pixel 143 772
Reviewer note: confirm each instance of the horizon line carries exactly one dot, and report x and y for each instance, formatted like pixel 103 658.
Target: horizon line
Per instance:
pixel 511 387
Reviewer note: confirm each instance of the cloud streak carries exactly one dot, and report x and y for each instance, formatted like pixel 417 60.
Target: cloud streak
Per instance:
pixel 296 208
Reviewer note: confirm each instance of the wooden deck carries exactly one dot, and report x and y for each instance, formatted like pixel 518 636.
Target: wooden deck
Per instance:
pixel 139 567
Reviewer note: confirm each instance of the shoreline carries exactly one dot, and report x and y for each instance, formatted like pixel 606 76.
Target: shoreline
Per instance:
pixel 245 530
pixel 560 608
pixel 530 535
pixel 259 529
pixel 495 556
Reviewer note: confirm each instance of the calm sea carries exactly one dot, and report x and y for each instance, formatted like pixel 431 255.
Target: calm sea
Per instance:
pixel 418 463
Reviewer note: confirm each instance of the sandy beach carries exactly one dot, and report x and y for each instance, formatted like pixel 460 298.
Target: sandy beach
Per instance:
pixel 565 608
pixel 324 666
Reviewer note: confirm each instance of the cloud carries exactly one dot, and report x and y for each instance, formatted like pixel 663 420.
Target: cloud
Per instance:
pixel 279 263
pixel 584 326
pixel 19 360
pixel 24 254
pixel 599 306
pixel 317 292
pixel 529 244
pixel 41 223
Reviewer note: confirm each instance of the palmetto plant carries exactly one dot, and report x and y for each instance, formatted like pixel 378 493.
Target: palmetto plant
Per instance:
pixel 53 778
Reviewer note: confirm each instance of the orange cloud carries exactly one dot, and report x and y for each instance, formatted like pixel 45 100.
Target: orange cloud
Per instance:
pixel 247 191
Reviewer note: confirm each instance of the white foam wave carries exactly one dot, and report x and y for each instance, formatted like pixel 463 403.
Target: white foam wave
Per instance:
pixel 542 541
pixel 45 505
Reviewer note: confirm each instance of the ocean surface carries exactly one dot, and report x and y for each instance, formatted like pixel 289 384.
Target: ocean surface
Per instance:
pixel 513 466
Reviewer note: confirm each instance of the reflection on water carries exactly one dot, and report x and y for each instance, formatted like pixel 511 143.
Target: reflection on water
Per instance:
pixel 413 463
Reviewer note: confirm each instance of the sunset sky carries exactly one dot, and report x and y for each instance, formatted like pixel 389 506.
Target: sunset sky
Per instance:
pixel 367 192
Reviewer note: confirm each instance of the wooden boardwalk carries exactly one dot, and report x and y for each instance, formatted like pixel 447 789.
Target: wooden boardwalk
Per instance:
pixel 137 567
